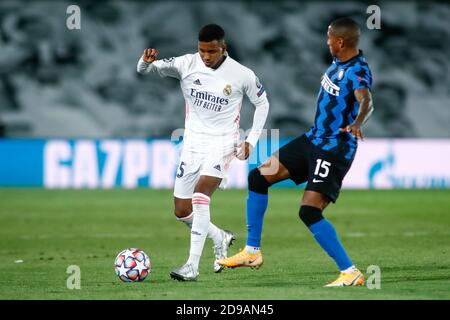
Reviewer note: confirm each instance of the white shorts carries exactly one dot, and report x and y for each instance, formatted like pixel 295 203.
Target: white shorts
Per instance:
pixel 212 161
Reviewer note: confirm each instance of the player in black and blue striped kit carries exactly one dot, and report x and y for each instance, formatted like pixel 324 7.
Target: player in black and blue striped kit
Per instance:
pixel 321 157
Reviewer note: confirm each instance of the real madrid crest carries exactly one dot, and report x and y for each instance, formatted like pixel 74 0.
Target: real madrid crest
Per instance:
pixel 227 90
pixel 341 74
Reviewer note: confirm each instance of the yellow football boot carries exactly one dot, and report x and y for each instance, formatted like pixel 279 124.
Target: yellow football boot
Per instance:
pixel 243 259
pixel 355 278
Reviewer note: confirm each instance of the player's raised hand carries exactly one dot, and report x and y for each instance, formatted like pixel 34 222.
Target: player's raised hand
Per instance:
pixel 150 55
pixel 244 150
pixel 354 129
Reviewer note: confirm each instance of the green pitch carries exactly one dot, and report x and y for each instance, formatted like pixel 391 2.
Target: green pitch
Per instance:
pixel 405 233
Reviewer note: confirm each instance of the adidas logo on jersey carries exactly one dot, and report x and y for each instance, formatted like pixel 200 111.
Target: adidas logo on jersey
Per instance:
pixel 217 167
pixel 197 82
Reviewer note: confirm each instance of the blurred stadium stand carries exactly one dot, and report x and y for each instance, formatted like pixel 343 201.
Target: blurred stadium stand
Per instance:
pixel 56 82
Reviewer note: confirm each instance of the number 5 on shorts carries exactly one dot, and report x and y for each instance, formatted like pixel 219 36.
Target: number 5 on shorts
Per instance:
pixel 181 170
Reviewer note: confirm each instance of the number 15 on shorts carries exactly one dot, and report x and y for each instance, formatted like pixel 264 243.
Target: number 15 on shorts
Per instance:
pixel 322 168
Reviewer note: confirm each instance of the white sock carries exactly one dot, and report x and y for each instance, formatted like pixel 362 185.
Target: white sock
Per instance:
pixel 200 225
pixel 350 269
pixel 187 220
pixel 214 233
pixel 251 249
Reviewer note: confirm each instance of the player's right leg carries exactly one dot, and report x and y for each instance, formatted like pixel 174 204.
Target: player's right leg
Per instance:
pixel 201 198
pixel 322 188
pixel 313 204
pixel 187 177
pixel 222 239
pixel 259 181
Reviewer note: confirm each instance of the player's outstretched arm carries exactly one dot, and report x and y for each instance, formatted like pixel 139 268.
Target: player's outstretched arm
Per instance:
pixel 364 97
pixel 148 57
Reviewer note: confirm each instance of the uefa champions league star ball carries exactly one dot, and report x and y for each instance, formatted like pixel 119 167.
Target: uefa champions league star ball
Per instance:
pixel 132 265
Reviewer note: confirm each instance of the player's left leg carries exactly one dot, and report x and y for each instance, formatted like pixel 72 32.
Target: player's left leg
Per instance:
pixel 313 204
pixel 259 182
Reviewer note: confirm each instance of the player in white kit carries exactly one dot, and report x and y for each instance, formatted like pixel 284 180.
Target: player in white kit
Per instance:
pixel 213 86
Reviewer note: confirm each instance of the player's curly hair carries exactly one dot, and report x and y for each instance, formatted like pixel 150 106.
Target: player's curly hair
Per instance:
pixel 211 32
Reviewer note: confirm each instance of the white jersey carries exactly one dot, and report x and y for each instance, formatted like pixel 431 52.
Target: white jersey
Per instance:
pixel 214 97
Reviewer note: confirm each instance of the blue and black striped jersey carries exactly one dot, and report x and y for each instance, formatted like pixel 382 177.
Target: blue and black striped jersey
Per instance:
pixel 337 106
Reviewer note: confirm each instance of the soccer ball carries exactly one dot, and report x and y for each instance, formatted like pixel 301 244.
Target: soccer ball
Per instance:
pixel 132 265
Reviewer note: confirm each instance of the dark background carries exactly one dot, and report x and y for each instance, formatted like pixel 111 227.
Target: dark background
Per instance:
pixel 56 82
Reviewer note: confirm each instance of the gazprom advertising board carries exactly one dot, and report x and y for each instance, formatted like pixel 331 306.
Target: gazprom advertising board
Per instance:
pixel 379 163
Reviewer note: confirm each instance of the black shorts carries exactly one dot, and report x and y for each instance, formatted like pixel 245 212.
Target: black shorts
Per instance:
pixel 322 170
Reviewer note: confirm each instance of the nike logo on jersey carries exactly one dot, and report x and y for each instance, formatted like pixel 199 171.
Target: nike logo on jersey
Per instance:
pixel 316 180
